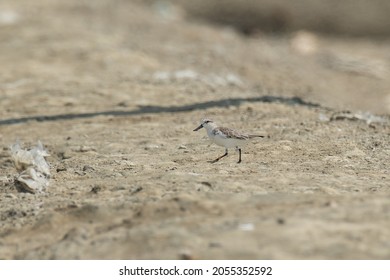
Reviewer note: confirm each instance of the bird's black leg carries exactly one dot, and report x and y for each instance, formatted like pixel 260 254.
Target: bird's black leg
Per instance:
pixel 239 155
pixel 224 155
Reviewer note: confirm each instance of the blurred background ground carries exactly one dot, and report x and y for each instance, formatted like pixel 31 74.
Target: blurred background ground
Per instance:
pixel 114 88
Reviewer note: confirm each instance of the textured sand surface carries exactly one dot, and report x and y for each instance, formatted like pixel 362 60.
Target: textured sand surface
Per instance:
pixel 113 89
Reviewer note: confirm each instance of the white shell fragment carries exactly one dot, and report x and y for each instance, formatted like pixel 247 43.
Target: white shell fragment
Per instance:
pixel 34 171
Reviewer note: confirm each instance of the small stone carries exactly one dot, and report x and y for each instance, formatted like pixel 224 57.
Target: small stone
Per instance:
pixel 88 168
pixel 246 227
pixel 96 189
pixel 152 147
pixel 186 256
pixel 85 149
pixel 11 195
pixel 123 104
pixel 65 155
pixel 61 169
pixel 330 204
pixel 286 148
pixel 135 190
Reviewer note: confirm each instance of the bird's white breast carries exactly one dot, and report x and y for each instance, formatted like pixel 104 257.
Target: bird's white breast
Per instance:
pixel 223 141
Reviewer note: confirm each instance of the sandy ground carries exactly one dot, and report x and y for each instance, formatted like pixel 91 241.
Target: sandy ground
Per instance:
pixel 113 89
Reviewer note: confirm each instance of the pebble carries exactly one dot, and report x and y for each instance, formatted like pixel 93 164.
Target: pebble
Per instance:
pixel 11 195
pixel 152 147
pixel 246 227
pixel 84 149
pixel 88 168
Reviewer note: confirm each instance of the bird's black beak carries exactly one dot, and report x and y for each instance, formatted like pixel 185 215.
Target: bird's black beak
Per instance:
pixel 199 127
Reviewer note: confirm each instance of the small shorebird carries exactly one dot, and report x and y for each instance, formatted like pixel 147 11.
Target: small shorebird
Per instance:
pixel 225 137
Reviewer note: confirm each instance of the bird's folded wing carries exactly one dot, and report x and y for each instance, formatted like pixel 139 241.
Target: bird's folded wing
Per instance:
pixel 226 133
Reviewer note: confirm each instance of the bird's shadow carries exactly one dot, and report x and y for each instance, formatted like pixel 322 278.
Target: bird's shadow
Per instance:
pixel 224 103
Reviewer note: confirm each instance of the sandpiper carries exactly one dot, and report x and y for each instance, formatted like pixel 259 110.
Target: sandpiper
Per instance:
pixel 226 137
